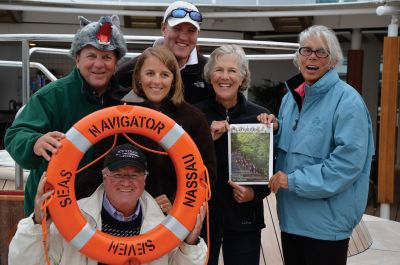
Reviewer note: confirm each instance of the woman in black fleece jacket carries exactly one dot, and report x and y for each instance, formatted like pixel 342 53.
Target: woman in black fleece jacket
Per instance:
pixel 236 210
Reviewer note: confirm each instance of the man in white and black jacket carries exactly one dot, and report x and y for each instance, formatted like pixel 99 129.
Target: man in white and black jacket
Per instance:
pixel 119 207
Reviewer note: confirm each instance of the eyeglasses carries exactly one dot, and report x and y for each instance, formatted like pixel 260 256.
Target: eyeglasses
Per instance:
pixel 131 177
pixel 307 51
pixel 181 13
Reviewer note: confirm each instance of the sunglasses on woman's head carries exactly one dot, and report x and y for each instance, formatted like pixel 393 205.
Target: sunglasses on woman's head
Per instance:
pixel 181 13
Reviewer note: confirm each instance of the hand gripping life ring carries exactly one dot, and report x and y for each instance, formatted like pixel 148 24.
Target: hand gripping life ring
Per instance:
pixel 191 185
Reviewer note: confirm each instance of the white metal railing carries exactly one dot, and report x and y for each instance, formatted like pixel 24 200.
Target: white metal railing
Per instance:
pixel 38 66
pixel 25 39
pixel 150 39
pixel 253 57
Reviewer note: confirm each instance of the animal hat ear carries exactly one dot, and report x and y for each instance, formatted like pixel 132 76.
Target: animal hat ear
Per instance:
pixel 83 21
pixel 115 20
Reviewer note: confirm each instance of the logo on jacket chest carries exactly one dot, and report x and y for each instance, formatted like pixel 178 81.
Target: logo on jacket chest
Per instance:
pixel 199 84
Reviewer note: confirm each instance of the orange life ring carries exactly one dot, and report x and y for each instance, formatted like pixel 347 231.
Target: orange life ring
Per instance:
pixel 191 185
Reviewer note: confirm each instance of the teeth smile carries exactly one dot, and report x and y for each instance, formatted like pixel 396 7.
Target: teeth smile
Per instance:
pixel 121 190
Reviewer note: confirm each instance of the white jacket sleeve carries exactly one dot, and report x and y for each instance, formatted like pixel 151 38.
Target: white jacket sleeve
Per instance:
pixel 26 247
pixel 189 254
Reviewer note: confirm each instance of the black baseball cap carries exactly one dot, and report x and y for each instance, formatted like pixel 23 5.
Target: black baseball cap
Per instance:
pixel 125 155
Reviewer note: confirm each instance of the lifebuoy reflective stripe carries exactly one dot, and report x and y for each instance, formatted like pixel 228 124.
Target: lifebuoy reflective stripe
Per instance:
pixel 191 186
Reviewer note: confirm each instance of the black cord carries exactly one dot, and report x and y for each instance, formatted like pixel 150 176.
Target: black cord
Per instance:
pixel 262 251
pixel 276 235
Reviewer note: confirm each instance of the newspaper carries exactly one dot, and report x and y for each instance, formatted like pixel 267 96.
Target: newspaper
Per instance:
pixel 250 153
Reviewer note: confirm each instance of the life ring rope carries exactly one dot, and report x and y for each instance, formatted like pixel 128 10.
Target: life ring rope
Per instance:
pixel 43 209
pixel 192 187
pixel 100 157
pixel 144 147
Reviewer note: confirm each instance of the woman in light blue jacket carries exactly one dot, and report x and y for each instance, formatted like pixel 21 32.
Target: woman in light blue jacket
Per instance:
pixel 324 146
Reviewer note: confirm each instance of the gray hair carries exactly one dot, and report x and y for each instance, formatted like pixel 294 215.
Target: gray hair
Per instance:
pixel 325 34
pixel 236 51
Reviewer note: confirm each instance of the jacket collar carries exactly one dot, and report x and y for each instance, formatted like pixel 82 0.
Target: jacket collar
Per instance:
pixel 166 106
pixel 91 207
pixel 89 92
pixel 322 86
pixel 237 109
pixel 192 58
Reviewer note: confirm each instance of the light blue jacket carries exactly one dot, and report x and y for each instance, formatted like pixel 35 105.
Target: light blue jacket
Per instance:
pixel 325 147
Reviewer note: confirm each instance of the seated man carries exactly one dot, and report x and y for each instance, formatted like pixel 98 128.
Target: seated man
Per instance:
pixel 127 210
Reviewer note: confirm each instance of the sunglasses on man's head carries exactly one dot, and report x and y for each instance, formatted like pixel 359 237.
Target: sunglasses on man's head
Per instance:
pixel 181 13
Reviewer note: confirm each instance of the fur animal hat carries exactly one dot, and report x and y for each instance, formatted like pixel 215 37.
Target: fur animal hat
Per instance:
pixel 104 35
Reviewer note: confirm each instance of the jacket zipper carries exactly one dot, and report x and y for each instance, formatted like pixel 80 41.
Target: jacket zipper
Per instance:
pixel 227 115
pixel 294 128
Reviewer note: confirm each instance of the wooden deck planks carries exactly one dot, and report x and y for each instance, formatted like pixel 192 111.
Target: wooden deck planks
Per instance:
pixel 271 241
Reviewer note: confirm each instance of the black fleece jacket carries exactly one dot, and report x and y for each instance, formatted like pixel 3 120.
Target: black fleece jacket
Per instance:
pixel 226 212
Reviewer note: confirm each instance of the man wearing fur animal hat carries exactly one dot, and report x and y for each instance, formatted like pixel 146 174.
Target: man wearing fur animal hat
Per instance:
pixel 36 133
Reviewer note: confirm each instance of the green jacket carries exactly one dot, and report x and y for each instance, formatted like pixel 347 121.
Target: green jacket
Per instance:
pixel 55 107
